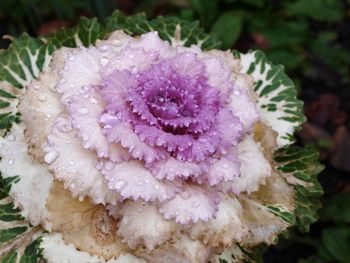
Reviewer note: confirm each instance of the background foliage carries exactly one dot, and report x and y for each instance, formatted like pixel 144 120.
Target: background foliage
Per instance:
pixel 310 37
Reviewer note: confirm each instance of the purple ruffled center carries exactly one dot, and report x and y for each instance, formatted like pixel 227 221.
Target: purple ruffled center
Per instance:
pixel 172 111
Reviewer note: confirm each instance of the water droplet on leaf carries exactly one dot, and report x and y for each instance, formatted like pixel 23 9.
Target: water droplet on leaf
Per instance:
pixel 50 157
pixel 83 111
pixel 120 184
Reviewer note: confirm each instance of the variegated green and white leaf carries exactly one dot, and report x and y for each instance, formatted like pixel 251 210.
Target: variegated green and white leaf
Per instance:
pixel 300 168
pixel 278 104
pixel 19 65
pixel 282 212
pixel 19 241
pixel 85 33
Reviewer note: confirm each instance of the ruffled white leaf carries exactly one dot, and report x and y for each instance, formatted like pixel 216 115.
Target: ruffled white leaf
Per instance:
pixel 255 168
pixel 184 250
pixel 74 165
pixel 136 231
pixel 227 226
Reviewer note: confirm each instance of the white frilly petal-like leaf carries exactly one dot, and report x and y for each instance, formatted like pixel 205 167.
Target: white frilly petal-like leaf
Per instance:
pixel 136 231
pixel 75 165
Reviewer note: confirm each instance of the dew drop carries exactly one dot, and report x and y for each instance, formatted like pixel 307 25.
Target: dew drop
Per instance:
pixel 42 97
pixel 11 161
pixel 131 56
pixel 50 157
pixel 156 186
pixel 63 126
pixel 117 43
pixel 83 111
pixel 11 137
pixel 225 165
pixel 139 183
pixel 125 220
pixel 109 166
pixel 120 184
pixel 195 204
pixel 93 100
pixel 237 92
pixel 103 48
pixel 185 195
pixel 104 62
pixel 36 87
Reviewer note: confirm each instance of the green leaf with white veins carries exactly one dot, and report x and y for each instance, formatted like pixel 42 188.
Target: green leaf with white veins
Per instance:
pixel 19 241
pixel 300 168
pixel 278 103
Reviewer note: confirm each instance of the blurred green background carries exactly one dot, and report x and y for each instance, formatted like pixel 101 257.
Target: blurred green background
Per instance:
pixel 310 37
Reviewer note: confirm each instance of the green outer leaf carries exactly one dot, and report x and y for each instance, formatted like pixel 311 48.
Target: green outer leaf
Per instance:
pixel 9 213
pixel 85 33
pixel 138 24
pixel 33 252
pixel 277 95
pixel 10 257
pixel 11 233
pixel 300 167
pixel 5 185
pixel 282 213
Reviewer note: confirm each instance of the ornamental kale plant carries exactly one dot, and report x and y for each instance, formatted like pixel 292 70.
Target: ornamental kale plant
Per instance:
pixel 142 141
